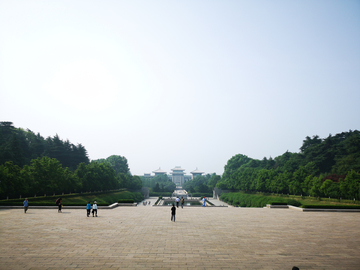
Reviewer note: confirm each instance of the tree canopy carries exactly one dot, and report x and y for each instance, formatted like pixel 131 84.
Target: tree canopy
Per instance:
pixel 31 165
pixel 159 183
pixel 21 146
pixel 306 172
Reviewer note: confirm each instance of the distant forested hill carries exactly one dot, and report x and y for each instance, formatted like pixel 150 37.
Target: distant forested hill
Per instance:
pixel 31 165
pixel 21 146
pixel 323 167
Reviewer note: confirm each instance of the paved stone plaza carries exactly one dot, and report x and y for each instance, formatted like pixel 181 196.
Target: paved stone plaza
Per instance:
pixel 201 238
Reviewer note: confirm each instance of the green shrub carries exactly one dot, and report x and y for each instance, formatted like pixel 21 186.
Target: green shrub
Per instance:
pixel 156 194
pixel 104 198
pixel 293 202
pixel 126 201
pixel 198 194
pixel 278 203
pixel 323 206
pixel 253 200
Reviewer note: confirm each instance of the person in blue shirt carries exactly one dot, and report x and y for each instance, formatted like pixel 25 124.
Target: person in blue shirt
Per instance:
pixel 88 208
pixel 204 201
pixel 26 205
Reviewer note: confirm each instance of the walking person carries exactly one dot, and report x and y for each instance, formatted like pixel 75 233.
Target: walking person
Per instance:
pixel 177 200
pixel 88 208
pixel 94 209
pixel 204 200
pixel 26 205
pixel 58 203
pixel 182 202
pixel 173 212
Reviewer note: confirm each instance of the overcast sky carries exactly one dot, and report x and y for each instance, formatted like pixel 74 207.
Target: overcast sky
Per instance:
pixel 181 83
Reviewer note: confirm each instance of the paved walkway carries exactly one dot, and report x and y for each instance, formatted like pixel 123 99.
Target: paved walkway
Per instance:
pixel 152 201
pixel 201 238
pixel 217 202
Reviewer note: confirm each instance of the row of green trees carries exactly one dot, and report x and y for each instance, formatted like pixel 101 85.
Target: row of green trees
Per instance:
pixel 159 183
pixel 21 146
pixel 324 168
pixel 47 176
pixel 202 184
pixel 31 165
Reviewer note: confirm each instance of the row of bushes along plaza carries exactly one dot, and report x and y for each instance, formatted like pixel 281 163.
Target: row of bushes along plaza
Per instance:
pixel 260 200
pixel 80 199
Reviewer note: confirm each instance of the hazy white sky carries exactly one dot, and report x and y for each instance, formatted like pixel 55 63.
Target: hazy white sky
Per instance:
pixel 181 83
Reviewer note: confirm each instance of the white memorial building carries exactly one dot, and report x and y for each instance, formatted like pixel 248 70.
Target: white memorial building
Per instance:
pixel 196 173
pixel 178 175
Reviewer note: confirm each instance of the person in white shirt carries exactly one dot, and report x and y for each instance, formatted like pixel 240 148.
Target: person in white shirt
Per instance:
pixel 177 200
pixel 94 209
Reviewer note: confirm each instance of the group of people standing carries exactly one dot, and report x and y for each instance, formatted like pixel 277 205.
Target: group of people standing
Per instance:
pixel 178 200
pixel 94 209
pixel 173 208
pixel 58 202
pixel 181 201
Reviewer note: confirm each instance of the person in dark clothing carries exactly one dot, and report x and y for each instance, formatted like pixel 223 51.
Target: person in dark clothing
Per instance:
pixel 26 205
pixel 58 203
pixel 173 212
pixel 182 201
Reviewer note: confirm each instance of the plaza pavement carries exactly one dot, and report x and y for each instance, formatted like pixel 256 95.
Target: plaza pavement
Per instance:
pixel 201 238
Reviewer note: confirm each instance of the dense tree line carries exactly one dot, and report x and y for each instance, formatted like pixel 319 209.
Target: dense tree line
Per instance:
pixel 31 165
pixel 159 183
pixel 21 146
pixel 118 163
pixel 324 167
pixel 47 176
pixel 202 184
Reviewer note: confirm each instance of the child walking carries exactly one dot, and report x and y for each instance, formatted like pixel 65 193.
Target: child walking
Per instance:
pixel 173 212
pixel 88 208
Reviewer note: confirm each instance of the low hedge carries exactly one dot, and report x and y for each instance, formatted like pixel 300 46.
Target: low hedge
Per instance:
pixel 40 197
pixel 253 200
pixel 103 199
pixel 324 206
pixel 126 201
pixel 198 194
pixel 278 203
pixel 50 204
pixel 156 194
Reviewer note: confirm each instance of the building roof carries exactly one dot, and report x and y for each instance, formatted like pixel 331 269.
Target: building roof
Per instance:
pixel 159 171
pixel 197 171
pixel 178 168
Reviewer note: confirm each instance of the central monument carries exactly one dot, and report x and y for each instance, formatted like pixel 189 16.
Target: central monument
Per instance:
pixel 178 176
